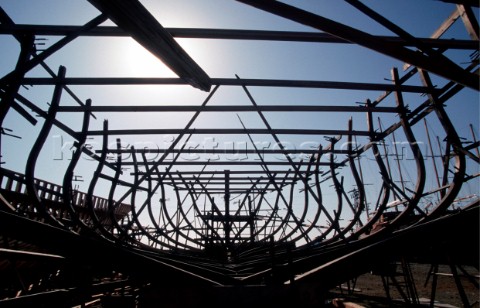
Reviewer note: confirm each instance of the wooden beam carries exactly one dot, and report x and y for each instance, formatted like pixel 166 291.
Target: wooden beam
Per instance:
pixel 224 131
pixel 227 34
pixel 28 255
pixel 315 84
pixel 226 151
pixel 226 163
pixel 226 108
pixel 260 171
pixel 469 20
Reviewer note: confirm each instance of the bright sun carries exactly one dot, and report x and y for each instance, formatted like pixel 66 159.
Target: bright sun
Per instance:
pixel 141 63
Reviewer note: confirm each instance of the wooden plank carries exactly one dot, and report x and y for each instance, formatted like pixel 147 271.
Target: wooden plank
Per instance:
pixel 226 34
pixel 28 255
pixel 469 20
pixel 225 163
pixel 281 83
pixel 224 131
pixel 226 108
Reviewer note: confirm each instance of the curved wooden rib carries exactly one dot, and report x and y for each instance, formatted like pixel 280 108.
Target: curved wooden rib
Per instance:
pixel 68 193
pixel 454 139
pixel 35 151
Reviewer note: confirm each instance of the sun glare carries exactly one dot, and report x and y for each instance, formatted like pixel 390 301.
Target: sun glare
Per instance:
pixel 139 62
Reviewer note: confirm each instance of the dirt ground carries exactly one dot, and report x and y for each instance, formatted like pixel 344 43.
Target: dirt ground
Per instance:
pixel 368 289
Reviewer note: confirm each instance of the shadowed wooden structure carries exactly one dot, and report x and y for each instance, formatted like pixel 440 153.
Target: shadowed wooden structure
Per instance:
pixel 253 226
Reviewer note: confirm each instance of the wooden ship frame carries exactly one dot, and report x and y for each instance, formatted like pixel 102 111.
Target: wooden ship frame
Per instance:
pixel 280 227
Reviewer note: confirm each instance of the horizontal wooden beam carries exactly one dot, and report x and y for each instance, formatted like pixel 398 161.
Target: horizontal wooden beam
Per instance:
pixel 281 83
pixel 224 131
pixel 225 151
pixel 226 163
pixel 207 184
pixel 120 182
pixel 226 108
pixel 235 190
pixel 259 171
pixel 227 34
pixel 204 179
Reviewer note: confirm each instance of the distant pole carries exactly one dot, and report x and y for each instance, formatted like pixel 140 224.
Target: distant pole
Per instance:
pixel 431 151
pixel 251 220
pixel 361 178
pixel 398 161
pixel 227 208
pixel 445 160
pixel 385 149
pixel 474 139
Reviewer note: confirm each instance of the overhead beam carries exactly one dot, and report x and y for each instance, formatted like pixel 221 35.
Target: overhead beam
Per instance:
pixel 225 131
pixel 226 82
pixel 228 34
pixel 226 151
pixel 234 190
pixel 136 20
pixel 251 180
pixel 264 182
pixel 226 108
pixel 260 171
pixel 225 163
